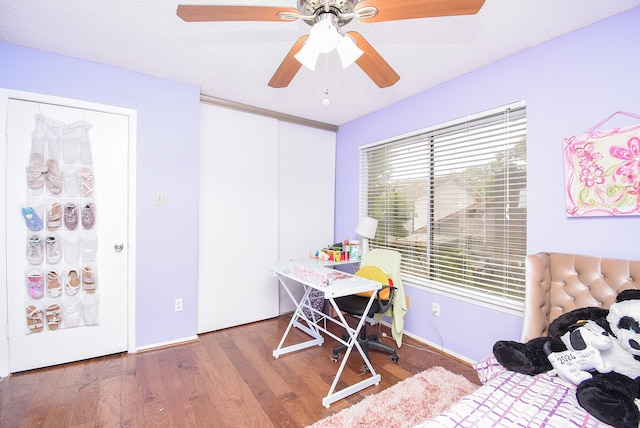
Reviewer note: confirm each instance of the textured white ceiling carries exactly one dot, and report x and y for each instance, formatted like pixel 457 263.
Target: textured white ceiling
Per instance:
pixel 234 61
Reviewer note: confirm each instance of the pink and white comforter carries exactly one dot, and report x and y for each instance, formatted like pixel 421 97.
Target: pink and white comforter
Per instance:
pixel 510 399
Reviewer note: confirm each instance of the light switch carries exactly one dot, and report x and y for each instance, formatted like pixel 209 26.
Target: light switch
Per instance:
pixel 159 198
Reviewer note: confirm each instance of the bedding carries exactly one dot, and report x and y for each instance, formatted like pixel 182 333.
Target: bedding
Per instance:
pixel 556 283
pixel 510 399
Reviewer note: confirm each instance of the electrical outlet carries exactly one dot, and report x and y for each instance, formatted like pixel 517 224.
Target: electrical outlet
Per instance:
pixel 159 198
pixel 178 305
pixel 435 309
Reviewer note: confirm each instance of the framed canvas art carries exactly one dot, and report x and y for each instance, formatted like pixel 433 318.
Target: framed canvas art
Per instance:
pixel 602 171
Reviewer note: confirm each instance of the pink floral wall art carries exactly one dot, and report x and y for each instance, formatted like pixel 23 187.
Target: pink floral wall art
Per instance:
pixel 602 170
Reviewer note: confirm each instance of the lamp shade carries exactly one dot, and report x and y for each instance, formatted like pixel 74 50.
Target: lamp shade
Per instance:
pixel 323 38
pixel 367 227
pixel 348 51
pixel 308 55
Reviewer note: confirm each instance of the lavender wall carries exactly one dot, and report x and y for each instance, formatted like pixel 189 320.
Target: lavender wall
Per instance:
pixel 569 84
pixel 167 150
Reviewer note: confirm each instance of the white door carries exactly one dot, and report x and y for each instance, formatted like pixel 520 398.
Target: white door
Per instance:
pixel 307 161
pixel 238 218
pixel 94 319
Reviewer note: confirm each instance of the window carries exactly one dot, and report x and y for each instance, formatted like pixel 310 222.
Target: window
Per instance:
pixel 452 200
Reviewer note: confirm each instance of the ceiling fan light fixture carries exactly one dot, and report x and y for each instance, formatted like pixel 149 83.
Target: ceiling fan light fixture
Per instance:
pixel 323 38
pixel 324 35
pixel 348 51
pixel 308 55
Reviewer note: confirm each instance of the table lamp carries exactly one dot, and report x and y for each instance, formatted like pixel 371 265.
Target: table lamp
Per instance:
pixel 367 229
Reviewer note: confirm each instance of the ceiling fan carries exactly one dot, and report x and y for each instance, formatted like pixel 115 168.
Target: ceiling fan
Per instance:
pixel 327 17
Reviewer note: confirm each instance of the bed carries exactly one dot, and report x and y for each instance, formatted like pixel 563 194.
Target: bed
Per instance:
pixel 556 283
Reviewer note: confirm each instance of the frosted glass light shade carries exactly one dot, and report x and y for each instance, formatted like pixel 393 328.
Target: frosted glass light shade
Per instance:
pixel 348 51
pixel 367 227
pixel 323 38
pixel 308 55
pixel 324 35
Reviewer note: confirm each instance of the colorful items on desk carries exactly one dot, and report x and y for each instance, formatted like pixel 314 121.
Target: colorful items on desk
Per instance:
pixel 354 250
pixel 315 276
pixel 310 274
pixel 341 252
pixel 320 255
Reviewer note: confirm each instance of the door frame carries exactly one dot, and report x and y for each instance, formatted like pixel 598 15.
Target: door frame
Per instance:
pixel 5 96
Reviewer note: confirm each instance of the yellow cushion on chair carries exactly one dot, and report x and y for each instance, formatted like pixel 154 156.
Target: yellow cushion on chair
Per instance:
pixel 376 274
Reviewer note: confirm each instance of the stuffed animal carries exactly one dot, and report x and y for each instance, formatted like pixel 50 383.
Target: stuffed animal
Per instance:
pixel 583 342
pixel 611 397
pixel 530 357
pixel 624 319
pixel 608 396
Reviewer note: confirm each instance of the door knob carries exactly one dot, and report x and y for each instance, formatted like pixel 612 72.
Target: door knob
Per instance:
pixel 119 246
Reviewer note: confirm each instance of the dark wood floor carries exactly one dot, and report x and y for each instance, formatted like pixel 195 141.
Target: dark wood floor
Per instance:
pixel 227 378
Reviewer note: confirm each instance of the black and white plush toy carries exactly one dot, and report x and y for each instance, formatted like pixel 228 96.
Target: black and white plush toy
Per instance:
pixel 582 352
pixel 608 378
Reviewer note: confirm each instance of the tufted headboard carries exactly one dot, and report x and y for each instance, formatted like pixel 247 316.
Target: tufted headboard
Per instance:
pixel 557 283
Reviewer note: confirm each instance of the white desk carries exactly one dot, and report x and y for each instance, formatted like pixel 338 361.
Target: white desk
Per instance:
pixel 313 327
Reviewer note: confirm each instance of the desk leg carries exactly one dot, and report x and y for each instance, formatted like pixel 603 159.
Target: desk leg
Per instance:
pixel 311 325
pixel 311 328
pixel 334 395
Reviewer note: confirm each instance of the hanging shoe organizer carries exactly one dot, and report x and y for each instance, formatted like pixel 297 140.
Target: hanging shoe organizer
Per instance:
pixel 61 283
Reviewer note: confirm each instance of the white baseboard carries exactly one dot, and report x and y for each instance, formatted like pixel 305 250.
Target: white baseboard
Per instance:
pixel 434 345
pixel 165 344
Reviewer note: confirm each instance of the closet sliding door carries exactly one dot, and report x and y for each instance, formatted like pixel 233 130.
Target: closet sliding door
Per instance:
pixel 307 192
pixel 238 218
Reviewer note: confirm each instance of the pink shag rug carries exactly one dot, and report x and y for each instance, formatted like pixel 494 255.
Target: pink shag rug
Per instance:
pixel 406 403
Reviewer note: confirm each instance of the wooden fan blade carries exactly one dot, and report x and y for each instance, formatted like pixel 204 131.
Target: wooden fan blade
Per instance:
pixel 373 64
pixel 289 66
pixel 207 13
pixel 391 10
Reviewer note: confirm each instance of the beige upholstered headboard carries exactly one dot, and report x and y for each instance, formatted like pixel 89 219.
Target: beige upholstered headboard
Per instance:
pixel 557 283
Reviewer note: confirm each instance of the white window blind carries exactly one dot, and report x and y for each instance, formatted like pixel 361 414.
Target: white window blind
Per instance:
pixel 452 200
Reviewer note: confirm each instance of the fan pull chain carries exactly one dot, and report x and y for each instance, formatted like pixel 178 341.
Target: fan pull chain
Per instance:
pixel 325 100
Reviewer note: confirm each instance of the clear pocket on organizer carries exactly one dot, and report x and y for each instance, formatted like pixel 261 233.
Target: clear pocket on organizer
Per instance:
pixel 89 246
pixel 72 247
